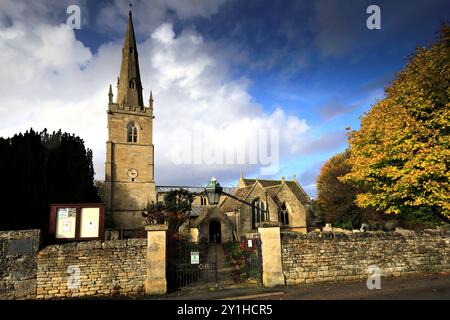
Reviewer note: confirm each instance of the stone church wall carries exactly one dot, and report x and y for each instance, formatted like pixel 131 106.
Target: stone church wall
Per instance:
pixel 322 257
pixel 115 267
pixel 18 264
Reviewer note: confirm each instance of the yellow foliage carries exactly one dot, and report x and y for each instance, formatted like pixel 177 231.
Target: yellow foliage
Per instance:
pixel 401 153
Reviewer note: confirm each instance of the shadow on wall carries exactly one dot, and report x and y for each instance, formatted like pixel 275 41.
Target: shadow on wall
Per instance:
pixel 18 264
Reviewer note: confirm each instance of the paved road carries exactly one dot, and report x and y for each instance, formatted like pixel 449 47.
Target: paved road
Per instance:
pixel 434 287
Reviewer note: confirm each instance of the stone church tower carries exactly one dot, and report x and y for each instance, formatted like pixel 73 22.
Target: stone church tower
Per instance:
pixel 129 173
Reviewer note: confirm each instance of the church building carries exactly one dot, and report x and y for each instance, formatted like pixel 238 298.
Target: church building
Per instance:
pixel 280 201
pixel 130 178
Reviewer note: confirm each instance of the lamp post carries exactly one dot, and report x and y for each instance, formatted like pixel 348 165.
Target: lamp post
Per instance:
pixel 214 190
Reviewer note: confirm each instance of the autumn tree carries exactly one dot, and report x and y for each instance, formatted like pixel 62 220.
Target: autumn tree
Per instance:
pixel 400 155
pixel 336 199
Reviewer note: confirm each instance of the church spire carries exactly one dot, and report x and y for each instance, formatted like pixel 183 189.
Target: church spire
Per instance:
pixel 130 87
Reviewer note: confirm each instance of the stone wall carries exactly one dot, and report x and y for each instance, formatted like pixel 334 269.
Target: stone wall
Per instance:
pixel 116 267
pixel 321 257
pixel 18 264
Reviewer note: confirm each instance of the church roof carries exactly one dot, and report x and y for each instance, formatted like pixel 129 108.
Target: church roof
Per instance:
pixel 264 183
pixel 298 191
pixel 193 189
pixel 196 211
pixel 230 204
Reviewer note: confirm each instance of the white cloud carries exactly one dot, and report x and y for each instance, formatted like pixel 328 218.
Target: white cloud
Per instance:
pixel 49 79
pixel 194 93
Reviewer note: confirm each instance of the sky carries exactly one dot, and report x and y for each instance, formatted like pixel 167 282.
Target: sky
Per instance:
pixel 225 74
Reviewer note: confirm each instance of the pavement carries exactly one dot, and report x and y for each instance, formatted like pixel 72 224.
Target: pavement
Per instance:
pixel 417 287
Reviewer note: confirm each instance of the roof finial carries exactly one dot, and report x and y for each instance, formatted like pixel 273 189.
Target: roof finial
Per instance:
pixel 131 7
pixel 110 94
pixel 150 100
pixel 294 178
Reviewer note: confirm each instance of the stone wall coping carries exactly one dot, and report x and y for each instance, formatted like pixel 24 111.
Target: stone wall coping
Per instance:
pixel 156 227
pixel 94 244
pixel 268 224
pixel 315 235
pixel 19 234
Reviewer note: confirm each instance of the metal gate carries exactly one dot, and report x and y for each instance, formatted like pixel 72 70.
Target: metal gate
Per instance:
pixel 191 265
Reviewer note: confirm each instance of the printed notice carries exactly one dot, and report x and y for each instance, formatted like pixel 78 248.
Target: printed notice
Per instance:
pixel 65 223
pixel 195 257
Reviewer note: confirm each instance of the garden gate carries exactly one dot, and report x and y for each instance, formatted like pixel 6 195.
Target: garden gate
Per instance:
pixel 190 265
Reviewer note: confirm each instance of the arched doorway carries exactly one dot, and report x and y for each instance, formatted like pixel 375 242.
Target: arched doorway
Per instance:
pixel 215 232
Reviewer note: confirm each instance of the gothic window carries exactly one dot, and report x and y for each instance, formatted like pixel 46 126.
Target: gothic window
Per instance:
pixel 131 132
pixel 132 84
pixel 258 212
pixel 283 215
pixel 203 201
pixel 262 210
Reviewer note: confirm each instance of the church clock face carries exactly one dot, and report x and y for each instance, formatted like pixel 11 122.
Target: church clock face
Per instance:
pixel 132 173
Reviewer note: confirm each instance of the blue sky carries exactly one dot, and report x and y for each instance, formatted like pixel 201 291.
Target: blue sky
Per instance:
pixel 314 60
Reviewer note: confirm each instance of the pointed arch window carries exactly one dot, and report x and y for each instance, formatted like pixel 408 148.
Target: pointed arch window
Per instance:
pixel 132 132
pixel 132 84
pixel 258 212
pixel 283 215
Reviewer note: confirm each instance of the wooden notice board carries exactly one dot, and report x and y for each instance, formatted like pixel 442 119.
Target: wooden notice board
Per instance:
pixel 84 221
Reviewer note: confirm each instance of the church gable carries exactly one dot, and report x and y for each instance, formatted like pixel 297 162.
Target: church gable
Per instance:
pixel 298 191
pixel 290 202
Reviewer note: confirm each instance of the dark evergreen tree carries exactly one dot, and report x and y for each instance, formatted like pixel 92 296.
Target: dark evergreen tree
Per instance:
pixel 39 169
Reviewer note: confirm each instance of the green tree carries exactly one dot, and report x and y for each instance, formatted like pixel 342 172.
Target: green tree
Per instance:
pixel 400 155
pixel 173 211
pixel 99 185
